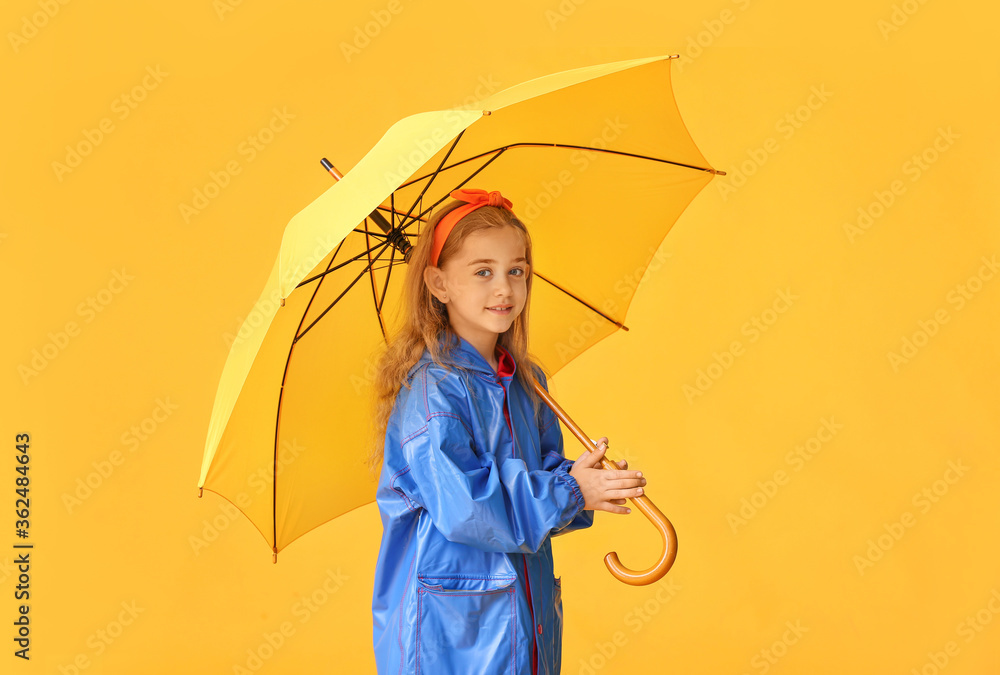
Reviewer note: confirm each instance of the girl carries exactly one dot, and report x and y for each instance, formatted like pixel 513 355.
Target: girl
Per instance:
pixel 473 481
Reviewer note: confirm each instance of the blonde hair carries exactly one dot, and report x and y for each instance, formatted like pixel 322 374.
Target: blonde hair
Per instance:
pixel 425 320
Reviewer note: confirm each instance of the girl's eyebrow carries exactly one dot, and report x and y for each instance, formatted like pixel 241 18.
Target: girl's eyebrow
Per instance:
pixel 484 260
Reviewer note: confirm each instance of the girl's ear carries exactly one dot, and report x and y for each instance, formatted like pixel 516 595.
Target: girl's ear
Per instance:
pixel 434 279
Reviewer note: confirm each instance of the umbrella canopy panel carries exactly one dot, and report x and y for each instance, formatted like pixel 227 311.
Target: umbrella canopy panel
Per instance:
pixel 292 426
pixel 605 165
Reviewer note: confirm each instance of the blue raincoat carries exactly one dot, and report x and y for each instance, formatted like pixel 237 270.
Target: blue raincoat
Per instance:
pixel 472 487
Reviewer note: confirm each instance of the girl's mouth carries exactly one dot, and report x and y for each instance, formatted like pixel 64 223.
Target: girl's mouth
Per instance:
pixel 504 311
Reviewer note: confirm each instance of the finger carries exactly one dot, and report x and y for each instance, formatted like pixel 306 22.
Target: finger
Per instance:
pixel 618 501
pixel 623 464
pixel 613 475
pixel 624 484
pixel 613 508
pixel 590 458
pixel 599 453
pixel 631 493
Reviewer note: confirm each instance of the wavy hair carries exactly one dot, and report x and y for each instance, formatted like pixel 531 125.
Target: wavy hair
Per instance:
pixel 425 320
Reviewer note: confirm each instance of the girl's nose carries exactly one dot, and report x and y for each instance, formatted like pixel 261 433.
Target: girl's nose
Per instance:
pixel 503 287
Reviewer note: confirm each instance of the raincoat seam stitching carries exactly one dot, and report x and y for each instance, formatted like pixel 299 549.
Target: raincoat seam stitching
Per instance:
pixel 420 600
pixel 424 428
pixel 399 491
pixel 513 644
pixel 409 575
pixel 442 413
pixel 430 414
pixel 467 594
pixel 412 436
pixel 549 424
pixel 504 577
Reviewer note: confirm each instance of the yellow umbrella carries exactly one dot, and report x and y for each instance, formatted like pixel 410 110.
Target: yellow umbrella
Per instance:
pixel 598 164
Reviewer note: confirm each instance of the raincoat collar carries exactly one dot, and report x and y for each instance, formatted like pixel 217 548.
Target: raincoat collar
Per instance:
pixel 467 356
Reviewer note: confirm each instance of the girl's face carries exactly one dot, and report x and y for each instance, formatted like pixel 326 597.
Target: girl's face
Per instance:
pixel 488 274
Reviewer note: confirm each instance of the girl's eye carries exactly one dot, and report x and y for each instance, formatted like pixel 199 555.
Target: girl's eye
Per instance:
pixel 520 271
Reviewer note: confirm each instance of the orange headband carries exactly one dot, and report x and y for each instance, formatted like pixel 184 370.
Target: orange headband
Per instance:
pixel 475 199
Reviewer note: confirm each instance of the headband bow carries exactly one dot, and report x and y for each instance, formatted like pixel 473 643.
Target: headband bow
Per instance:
pixel 475 199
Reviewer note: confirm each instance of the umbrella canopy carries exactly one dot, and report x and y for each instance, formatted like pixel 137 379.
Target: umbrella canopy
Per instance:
pixel 596 161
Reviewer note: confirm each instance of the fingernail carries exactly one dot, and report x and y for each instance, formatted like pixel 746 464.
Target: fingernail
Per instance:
pixel 628 510
pixel 638 491
pixel 638 474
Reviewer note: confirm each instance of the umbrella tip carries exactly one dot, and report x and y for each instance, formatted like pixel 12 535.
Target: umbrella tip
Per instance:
pixel 331 168
pixel 200 490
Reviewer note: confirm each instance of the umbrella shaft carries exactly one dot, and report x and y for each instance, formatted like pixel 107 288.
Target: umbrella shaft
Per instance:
pixel 642 502
pixel 394 236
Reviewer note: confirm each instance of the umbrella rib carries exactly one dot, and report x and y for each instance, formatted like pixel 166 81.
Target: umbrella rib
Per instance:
pixel 387 265
pixel 372 233
pixel 349 287
pixel 385 291
pixel 444 159
pixel 563 145
pixel 433 206
pixel 343 264
pixel 580 300
pixel 391 211
pixel 375 295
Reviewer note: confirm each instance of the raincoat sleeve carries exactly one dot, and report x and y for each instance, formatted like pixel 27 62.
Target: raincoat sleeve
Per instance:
pixel 473 497
pixel 550 434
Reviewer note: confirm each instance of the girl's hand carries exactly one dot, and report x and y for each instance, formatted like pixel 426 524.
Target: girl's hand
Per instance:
pixel 603 489
pixel 623 464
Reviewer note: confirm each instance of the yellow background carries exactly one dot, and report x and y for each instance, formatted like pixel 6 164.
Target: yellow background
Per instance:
pixel 874 574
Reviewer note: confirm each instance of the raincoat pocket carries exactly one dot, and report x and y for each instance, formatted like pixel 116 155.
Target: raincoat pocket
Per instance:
pixel 465 624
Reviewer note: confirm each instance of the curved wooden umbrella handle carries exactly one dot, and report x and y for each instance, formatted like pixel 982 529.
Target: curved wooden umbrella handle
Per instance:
pixel 668 539
pixel 643 503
